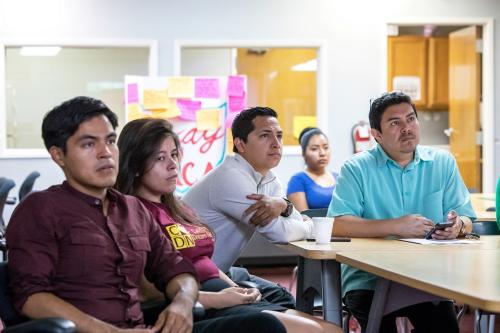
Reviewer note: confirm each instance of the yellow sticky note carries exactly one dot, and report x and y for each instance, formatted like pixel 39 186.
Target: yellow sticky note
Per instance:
pixel 181 87
pixel 156 99
pixel 208 119
pixel 166 113
pixel 301 122
pixel 134 112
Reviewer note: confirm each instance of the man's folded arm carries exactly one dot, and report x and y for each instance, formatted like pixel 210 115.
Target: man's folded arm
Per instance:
pixel 232 200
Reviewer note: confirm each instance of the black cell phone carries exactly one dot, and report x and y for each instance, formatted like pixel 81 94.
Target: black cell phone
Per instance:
pixel 333 239
pixel 439 226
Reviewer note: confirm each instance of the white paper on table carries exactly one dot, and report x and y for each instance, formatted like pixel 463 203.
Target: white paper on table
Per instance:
pixel 441 242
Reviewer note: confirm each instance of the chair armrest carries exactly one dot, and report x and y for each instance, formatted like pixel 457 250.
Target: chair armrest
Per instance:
pixel 46 325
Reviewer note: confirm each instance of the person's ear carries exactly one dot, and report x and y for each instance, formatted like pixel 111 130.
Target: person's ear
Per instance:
pixel 376 134
pixel 240 145
pixel 57 156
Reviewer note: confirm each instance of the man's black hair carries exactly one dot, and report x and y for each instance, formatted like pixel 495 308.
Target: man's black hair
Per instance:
pixel 63 121
pixel 243 122
pixel 379 105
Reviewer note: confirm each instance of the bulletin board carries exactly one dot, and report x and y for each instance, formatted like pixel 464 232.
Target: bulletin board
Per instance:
pixel 201 110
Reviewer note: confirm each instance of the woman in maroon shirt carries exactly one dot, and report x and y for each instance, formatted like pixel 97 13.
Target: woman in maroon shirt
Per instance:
pixel 149 162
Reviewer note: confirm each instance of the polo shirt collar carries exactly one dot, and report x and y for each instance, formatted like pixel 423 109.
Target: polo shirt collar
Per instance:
pixel 421 154
pixel 257 176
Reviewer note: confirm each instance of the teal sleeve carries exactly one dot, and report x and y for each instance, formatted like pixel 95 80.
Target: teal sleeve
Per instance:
pixel 347 198
pixel 456 196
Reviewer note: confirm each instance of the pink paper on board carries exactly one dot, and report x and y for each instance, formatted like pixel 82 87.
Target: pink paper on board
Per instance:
pixel 206 88
pixel 230 118
pixel 236 103
pixel 132 93
pixel 188 108
pixel 236 86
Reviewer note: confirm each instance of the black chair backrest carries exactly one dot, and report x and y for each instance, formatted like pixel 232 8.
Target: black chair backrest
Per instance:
pixel 7 312
pixel 6 185
pixel 27 185
pixel 485 228
pixel 318 212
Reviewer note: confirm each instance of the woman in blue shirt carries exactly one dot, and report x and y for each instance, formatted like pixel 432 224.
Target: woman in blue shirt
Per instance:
pixel 313 187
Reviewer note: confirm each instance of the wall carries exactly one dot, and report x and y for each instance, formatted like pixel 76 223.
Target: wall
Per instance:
pixel 353 30
pixel 101 77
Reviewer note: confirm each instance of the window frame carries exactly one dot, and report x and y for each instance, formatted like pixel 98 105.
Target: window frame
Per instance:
pixel 321 73
pixel 5 152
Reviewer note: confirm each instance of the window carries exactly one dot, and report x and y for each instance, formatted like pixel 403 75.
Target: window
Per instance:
pixel 35 83
pixel 285 78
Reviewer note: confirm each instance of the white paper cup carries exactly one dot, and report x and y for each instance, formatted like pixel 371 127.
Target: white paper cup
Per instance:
pixel 323 229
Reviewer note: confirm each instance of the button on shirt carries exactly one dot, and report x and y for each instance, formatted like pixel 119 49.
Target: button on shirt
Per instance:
pixel 373 186
pixel 60 242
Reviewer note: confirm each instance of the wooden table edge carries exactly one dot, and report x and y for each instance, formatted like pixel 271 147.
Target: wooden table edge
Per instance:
pixel 486 305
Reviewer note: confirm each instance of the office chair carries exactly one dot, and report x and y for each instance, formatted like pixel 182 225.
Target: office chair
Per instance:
pixel 6 185
pixel 485 228
pixel 17 324
pixel 27 185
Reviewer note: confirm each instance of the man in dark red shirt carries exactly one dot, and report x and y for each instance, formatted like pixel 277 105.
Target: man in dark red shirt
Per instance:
pixel 78 250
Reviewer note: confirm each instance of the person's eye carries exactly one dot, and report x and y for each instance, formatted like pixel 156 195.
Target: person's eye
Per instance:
pixel 264 135
pixel 395 123
pixel 112 141
pixel 88 144
pixel 279 136
pixel 412 118
pixel 175 156
pixel 160 158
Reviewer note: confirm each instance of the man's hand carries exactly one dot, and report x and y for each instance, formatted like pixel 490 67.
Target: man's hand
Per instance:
pixel 177 317
pixel 450 232
pixel 266 209
pixel 413 226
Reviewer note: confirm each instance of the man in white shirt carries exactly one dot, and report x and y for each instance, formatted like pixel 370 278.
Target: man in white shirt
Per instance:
pixel 243 195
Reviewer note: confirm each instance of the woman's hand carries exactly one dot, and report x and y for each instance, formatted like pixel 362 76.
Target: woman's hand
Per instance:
pixel 235 296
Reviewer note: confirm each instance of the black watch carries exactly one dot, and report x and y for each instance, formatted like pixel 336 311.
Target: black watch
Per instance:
pixel 289 208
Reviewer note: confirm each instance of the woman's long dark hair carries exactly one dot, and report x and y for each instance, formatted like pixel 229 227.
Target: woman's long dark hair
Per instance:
pixel 139 143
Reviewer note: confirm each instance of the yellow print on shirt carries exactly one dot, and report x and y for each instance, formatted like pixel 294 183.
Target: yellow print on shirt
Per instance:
pixel 181 239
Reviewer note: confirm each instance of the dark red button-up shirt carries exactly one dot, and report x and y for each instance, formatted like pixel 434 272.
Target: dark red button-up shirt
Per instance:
pixel 60 242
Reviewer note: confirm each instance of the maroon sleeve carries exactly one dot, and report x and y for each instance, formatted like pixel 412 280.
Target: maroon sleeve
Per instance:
pixel 164 262
pixel 33 252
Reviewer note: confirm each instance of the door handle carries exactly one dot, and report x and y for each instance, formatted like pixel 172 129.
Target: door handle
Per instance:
pixel 448 131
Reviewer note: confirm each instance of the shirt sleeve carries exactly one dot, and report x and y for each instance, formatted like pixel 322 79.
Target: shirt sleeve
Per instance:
pixel 33 251
pixel 456 196
pixel 231 200
pixel 347 198
pixel 163 262
pixel 296 184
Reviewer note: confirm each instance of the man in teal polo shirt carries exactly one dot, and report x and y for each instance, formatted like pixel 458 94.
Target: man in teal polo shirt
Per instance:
pixel 398 189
